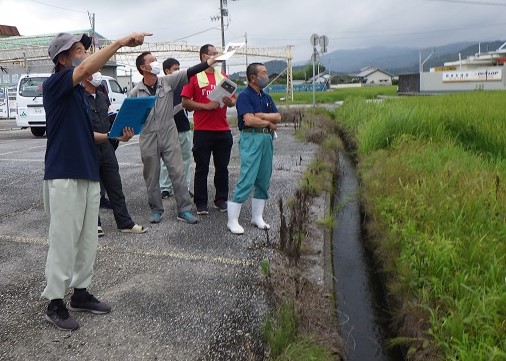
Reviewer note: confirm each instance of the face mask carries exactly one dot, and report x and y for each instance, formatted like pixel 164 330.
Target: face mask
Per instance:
pixel 262 82
pixel 155 68
pixel 77 61
pixel 96 79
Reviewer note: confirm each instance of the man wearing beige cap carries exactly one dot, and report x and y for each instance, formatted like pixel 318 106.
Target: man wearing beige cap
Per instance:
pixel 71 176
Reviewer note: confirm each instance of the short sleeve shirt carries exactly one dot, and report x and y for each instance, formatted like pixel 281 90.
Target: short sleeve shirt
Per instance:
pixel 70 150
pixel 249 101
pixel 99 110
pixel 212 120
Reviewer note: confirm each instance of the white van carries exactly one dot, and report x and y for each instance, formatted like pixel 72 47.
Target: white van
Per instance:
pixel 115 92
pixel 30 111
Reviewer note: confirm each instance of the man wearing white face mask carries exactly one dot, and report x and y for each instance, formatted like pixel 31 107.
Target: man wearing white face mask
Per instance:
pixel 257 120
pixel 71 176
pixel 107 161
pixel 211 136
pixel 159 137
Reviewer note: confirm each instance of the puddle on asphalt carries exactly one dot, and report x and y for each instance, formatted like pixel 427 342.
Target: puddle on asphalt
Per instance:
pixel 359 295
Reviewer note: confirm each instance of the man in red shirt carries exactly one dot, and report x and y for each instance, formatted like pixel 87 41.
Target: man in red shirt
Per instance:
pixel 211 133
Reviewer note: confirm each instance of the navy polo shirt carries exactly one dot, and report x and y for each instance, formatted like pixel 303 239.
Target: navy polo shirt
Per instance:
pixel 249 101
pixel 70 151
pixel 181 119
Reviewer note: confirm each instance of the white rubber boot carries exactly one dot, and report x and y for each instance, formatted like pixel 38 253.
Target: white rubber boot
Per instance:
pixel 257 210
pixel 233 211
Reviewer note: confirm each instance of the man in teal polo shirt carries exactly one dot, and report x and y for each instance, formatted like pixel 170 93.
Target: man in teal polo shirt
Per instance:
pixel 258 118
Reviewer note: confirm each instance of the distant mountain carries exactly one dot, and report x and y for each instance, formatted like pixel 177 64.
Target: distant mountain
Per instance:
pixel 273 67
pixel 400 60
pixel 393 60
pixel 439 57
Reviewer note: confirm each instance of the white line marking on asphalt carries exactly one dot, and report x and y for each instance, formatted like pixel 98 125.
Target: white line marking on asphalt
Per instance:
pixel 21 160
pixel 177 255
pixel 22 150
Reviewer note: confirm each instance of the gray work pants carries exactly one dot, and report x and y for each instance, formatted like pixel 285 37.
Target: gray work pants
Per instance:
pixel 164 143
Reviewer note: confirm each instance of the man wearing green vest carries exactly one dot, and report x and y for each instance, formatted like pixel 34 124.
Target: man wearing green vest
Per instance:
pixel 211 133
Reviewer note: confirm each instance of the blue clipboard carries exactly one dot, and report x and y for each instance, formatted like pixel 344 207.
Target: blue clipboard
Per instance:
pixel 133 114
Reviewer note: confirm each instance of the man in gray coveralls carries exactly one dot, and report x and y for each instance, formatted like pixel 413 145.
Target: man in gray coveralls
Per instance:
pixel 159 137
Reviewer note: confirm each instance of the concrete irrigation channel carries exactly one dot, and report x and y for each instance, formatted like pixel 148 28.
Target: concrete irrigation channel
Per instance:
pixel 360 297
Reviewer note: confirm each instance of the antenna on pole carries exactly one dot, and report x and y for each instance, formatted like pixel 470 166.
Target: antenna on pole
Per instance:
pixel 426 59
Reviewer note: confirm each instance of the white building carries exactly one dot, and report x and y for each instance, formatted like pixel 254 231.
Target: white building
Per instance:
pixel 374 76
pixel 483 71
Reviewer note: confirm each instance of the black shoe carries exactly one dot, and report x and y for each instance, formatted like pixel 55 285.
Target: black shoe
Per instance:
pixel 202 210
pixel 167 194
pixel 82 300
pixel 190 193
pixel 59 316
pixel 221 205
pixel 105 203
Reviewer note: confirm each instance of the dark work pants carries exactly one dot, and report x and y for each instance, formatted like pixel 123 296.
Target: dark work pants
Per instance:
pixel 219 144
pixel 110 178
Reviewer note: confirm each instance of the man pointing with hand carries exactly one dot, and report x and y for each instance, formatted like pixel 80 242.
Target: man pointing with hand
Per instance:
pixel 71 176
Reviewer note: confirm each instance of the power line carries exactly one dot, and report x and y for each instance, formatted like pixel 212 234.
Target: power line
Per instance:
pixel 58 7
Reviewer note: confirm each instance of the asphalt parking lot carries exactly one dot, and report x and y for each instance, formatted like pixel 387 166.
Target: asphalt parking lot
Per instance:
pixel 178 292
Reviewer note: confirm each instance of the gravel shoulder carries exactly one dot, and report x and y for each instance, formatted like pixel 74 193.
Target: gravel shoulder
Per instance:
pixel 178 292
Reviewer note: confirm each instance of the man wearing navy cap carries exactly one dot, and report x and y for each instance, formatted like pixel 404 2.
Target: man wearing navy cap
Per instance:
pixel 71 176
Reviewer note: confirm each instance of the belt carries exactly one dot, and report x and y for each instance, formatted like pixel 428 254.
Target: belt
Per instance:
pixel 257 130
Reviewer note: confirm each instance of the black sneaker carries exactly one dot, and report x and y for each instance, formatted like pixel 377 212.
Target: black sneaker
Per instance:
pixel 85 301
pixel 202 210
pixel 167 194
pixel 59 316
pixel 221 205
pixel 105 203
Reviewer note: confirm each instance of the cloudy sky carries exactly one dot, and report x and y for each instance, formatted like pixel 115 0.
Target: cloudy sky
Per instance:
pixel 347 24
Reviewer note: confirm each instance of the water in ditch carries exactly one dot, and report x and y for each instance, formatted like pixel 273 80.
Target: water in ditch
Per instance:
pixel 359 294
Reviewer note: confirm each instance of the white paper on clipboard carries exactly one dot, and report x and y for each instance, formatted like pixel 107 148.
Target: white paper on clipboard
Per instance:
pixel 230 50
pixel 225 87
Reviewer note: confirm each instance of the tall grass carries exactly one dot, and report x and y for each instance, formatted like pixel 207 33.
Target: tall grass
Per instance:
pixel 334 95
pixel 433 171
pixel 475 120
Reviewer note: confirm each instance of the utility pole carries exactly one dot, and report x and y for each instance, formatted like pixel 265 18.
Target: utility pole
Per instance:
pixel 221 17
pixel 92 22
pixel 223 13
pixel 246 47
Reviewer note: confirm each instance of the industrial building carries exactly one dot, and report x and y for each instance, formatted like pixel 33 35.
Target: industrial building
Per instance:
pixel 482 71
pixel 28 54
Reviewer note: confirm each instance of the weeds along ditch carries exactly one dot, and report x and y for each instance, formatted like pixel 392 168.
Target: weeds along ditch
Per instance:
pixel 362 335
pixel 359 295
pixel 304 325
pixel 432 174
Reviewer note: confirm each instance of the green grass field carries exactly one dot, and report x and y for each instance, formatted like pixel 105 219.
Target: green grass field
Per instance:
pixel 433 175
pixel 334 95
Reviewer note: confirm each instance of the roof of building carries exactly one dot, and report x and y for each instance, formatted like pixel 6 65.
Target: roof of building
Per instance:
pixel 7 30
pixel 43 40
pixel 364 72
